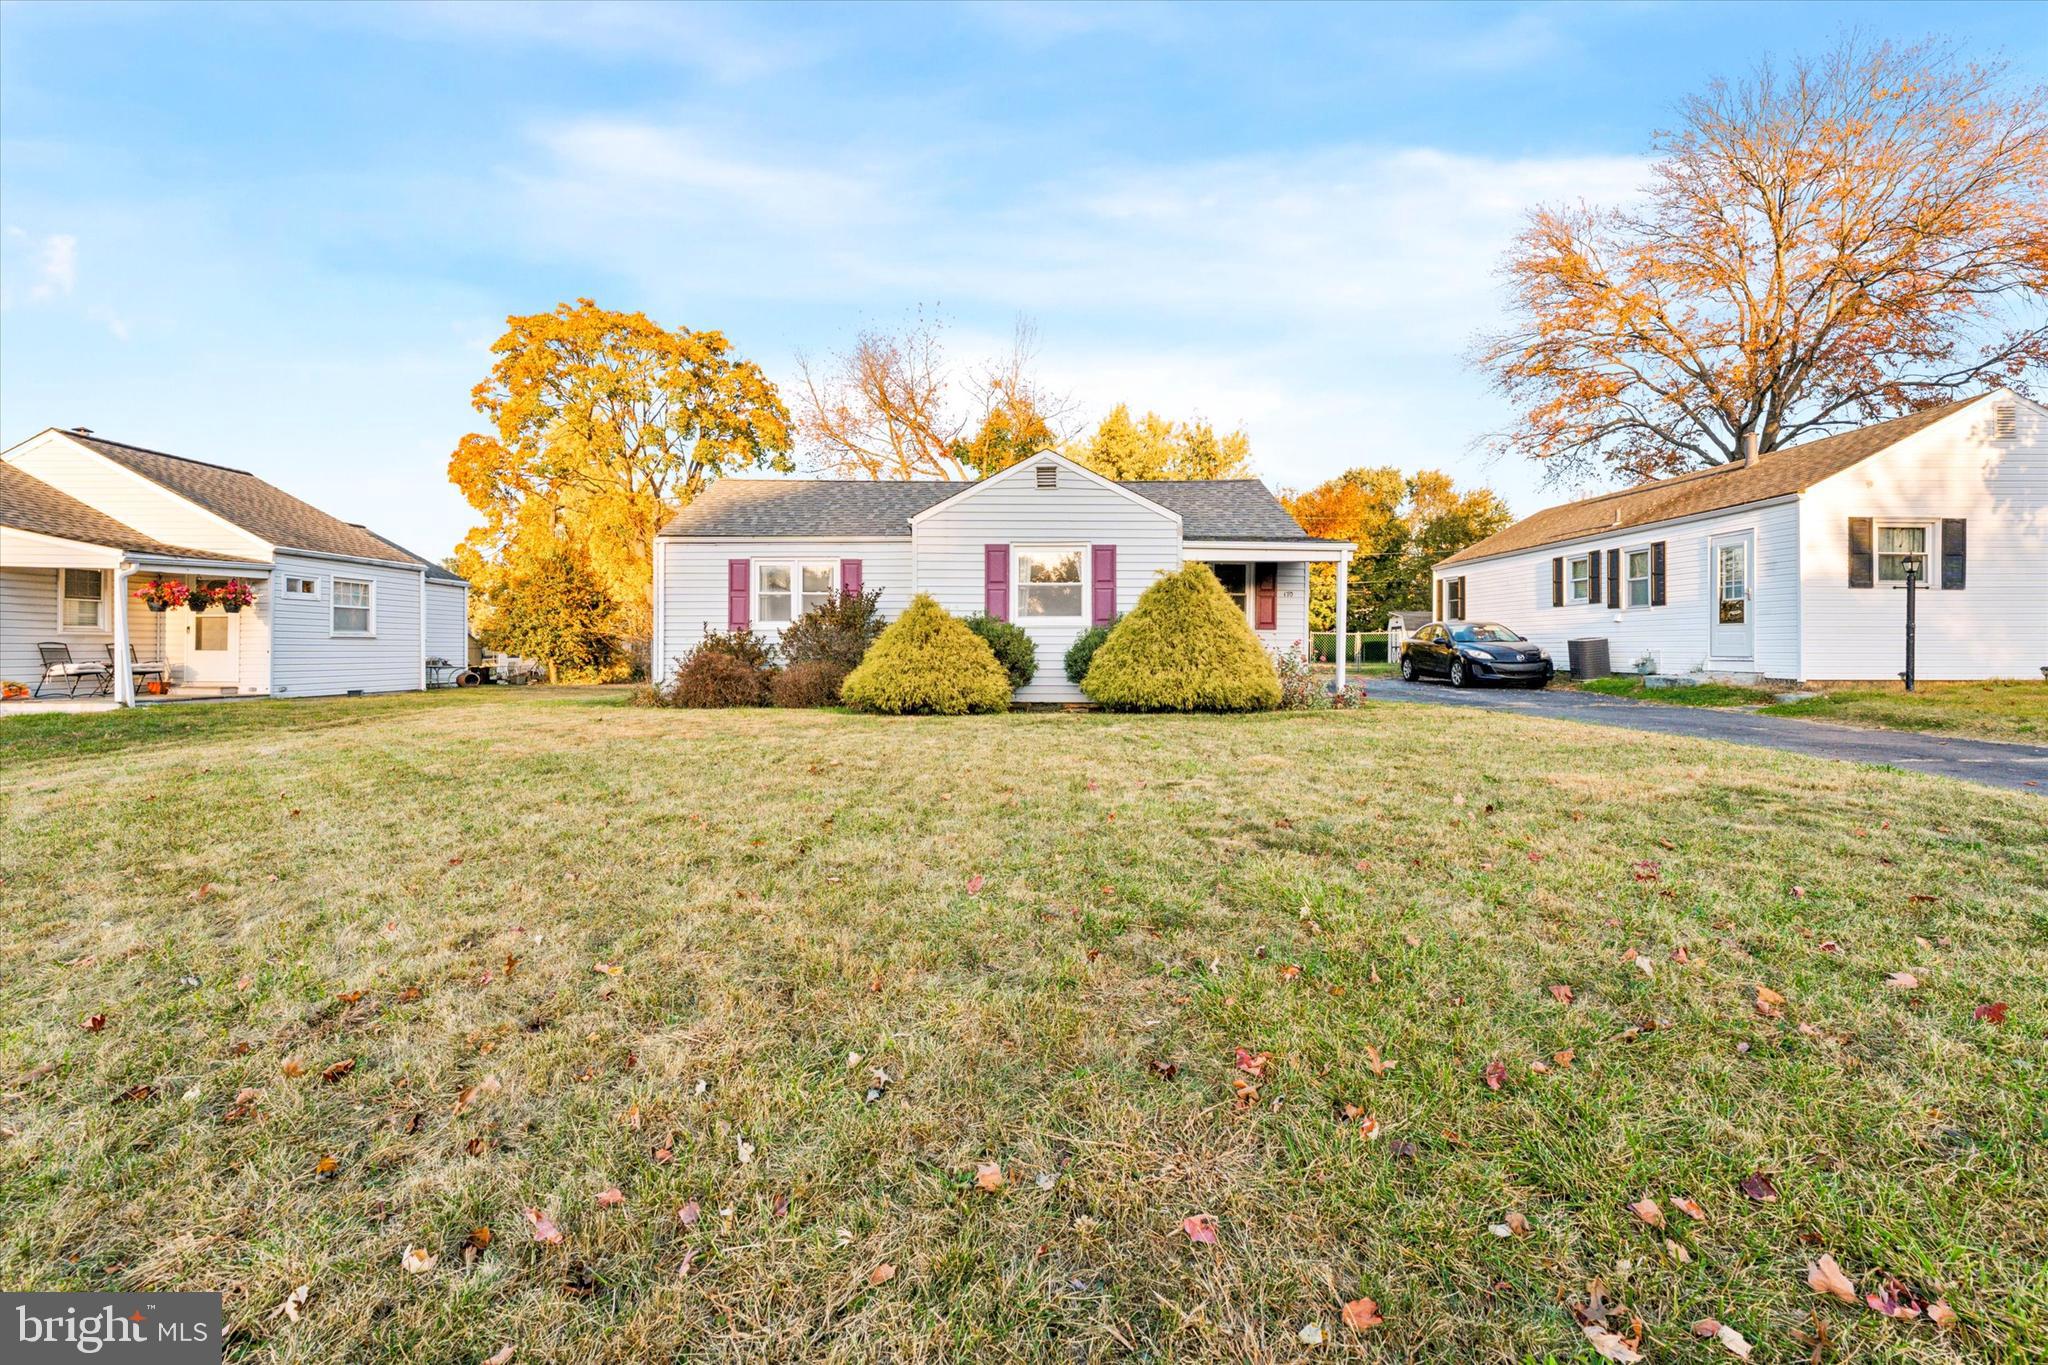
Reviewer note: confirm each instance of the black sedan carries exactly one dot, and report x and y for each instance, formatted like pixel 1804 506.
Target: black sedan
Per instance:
pixel 1474 652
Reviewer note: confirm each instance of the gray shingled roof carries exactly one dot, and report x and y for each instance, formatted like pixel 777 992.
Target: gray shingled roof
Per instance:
pixel 29 504
pixel 1210 509
pixel 436 573
pixel 240 497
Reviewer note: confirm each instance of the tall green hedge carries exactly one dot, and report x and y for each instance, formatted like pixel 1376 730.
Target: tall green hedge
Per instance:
pixel 1184 647
pixel 927 663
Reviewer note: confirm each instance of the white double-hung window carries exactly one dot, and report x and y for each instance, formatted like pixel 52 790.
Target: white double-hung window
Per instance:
pixel 1578 578
pixel 1900 547
pixel 785 590
pixel 1639 578
pixel 354 607
pixel 1048 584
pixel 85 599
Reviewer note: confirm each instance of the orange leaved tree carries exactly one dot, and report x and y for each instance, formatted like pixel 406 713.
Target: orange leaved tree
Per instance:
pixel 1819 246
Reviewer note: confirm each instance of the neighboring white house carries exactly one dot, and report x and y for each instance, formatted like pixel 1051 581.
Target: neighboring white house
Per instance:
pixel 1788 566
pixel 85 521
pixel 1052 546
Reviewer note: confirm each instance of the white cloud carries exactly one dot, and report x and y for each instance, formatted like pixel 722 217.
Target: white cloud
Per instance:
pixel 50 263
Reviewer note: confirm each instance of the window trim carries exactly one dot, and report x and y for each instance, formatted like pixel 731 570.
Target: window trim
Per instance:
pixel 1080 551
pixel 334 604
pixel 104 623
pixel 796 569
pixel 1577 592
pixel 1930 551
pixel 1629 580
pixel 1454 598
pixel 312 588
pixel 1251 585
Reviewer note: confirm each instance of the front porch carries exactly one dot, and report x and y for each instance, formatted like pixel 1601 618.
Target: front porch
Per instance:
pixel 1269 581
pixel 76 633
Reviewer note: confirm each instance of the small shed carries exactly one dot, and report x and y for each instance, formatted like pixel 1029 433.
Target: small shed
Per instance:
pixel 1401 625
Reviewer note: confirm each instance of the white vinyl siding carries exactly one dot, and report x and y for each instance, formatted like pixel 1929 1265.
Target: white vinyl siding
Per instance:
pixel 1515 590
pixel 950 542
pixel 132 500
pixel 1996 626
pixel 447 622
pixel 313 661
pixel 693 581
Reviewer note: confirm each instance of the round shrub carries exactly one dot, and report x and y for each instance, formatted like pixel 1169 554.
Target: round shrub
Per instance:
pixel 814 682
pixel 712 677
pixel 1082 652
pixel 1184 647
pixel 928 663
pixel 837 630
pixel 1014 649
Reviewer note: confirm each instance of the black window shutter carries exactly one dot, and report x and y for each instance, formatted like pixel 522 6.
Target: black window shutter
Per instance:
pixel 1954 551
pixel 1656 573
pixel 1593 579
pixel 1464 600
pixel 1557 581
pixel 1614 578
pixel 1862 562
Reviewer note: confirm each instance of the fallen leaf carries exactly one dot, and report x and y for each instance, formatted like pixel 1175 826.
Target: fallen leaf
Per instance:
pixel 1362 1315
pixel 1311 1334
pixel 1369 1128
pixel 93 1023
pixel 881 1274
pixel 1165 1071
pixel 489 1085
pixel 607 1198
pixel 1993 1013
pixel 1512 1225
pixel 294 1303
pixel 1495 1074
pixel 1648 1210
pixel 503 1356
pixel 1902 981
pixel 1894 1301
pixel 325 1167
pixel 1690 1208
pixel 1759 1188
pixel 338 1070
pixel 1825 1277
pixel 1940 1314
pixel 292 1066
pixel 975 883
pixel 1253 1063
pixel 1611 1345
pixel 988 1176
pixel 1562 994
pixel 608 968
pixel 1375 1064
pixel 745 1150
pixel 689 1213
pixel 1769 1003
pixel 1200 1228
pixel 417 1260
pixel 544 1229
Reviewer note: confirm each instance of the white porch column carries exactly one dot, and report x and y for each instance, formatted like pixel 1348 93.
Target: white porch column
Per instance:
pixel 124 677
pixel 1343 612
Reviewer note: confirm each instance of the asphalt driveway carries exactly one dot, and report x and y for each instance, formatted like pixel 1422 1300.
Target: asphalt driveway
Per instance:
pixel 2023 767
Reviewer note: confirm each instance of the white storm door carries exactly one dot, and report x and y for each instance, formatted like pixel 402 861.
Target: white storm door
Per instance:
pixel 213 648
pixel 1734 602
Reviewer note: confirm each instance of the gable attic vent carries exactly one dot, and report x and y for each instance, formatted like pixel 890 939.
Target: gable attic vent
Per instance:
pixel 2005 422
pixel 1048 475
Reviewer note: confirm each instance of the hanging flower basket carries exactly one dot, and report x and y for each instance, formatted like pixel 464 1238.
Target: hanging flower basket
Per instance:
pixel 161 594
pixel 233 595
pixel 199 599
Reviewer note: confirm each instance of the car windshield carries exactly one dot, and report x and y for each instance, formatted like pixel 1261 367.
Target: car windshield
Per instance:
pixel 1486 633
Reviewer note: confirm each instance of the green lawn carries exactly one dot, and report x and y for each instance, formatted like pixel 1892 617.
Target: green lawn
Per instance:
pixel 486 952
pixel 1699 694
pixel 1988 710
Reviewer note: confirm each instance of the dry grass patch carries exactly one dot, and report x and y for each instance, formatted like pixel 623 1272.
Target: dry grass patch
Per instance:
pixel 666 952
pixel 2014 711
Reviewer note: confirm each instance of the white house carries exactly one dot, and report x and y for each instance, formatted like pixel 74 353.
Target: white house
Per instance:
pixel 1052 546
pixel 85 522
pixel 1789 565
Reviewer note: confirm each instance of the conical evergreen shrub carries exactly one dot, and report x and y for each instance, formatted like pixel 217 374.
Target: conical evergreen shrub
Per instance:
pixel 1184 647
pixel 927 663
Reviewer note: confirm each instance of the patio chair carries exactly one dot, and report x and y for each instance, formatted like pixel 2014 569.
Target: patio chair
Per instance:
pixel 141 669
pixel 58 664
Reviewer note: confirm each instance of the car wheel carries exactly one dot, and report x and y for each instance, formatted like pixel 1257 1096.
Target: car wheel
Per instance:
pixel 1407 668
pixel 1458 678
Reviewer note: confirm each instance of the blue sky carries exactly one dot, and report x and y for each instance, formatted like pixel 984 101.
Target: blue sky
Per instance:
pixel 284 237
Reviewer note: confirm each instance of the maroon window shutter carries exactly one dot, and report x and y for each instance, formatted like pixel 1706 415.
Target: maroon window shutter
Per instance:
pixel 849 575
pixel 736 571
pixel 995 581
pixel 1269 596
pixel 1104 590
